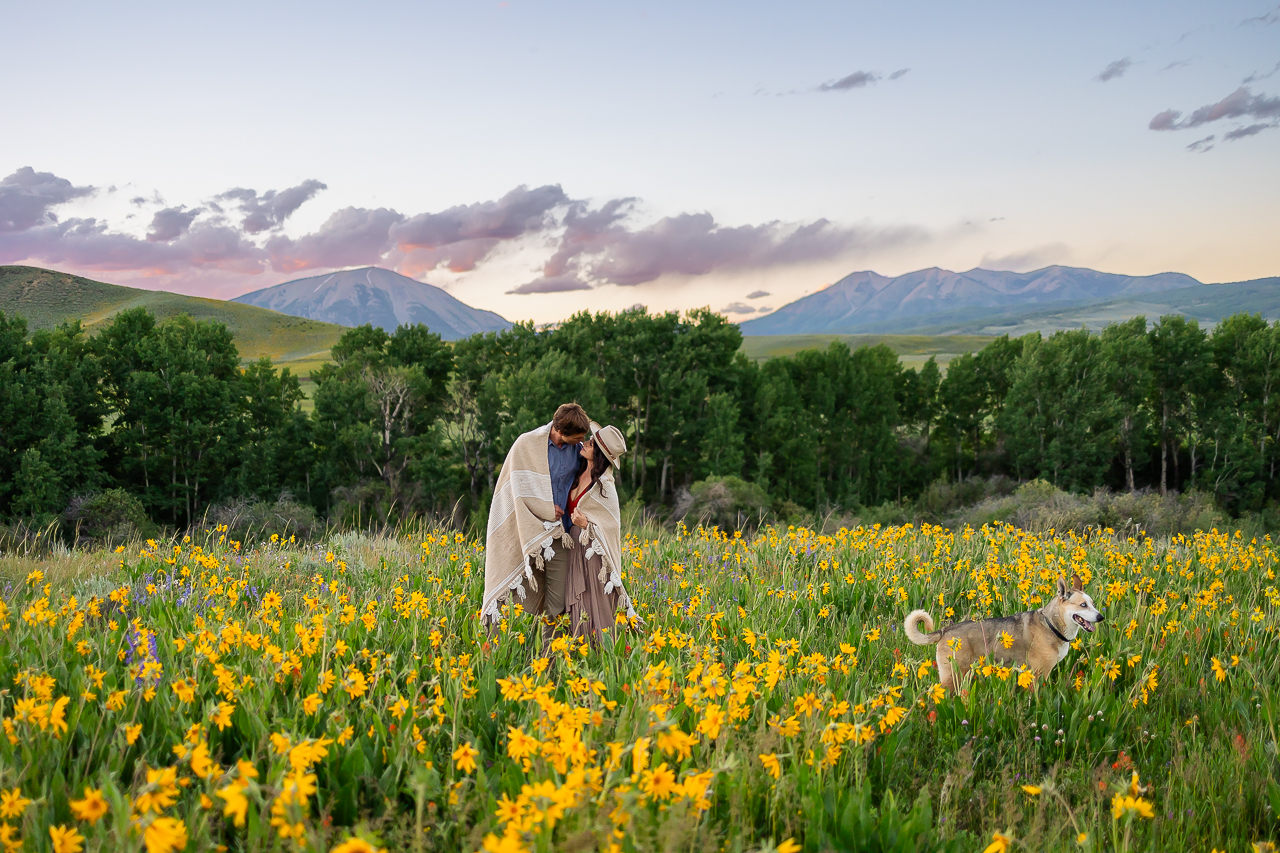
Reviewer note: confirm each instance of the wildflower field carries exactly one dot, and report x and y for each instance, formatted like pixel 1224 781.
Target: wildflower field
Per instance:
pixel 344 697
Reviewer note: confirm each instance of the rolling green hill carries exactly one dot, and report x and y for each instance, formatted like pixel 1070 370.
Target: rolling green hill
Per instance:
pixel 46 298
pixel 912 350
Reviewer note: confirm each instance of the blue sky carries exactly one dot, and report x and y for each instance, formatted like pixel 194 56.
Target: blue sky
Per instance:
pixel 736 160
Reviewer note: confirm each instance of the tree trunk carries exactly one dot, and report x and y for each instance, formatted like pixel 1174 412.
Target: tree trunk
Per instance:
pixel 1164 466
pixel 1164 449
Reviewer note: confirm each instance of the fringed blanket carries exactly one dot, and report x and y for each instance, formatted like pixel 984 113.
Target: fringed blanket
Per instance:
pixel 522 524
pixel 603 536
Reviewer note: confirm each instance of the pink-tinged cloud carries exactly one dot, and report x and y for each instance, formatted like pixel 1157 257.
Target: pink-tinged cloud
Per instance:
pixel 171 223
pixel 594 245
pixel 269 211
pixel 350 237
pixel 599 249
pixel 1242 103
pixel 86 244
pixel 694 244
pixel 517 213
pixel 27 198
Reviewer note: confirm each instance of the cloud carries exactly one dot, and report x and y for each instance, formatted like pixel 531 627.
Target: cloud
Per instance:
pixel 88 244
pixel 586 232
pixel 694 244
pixel 1242 132
pixel 1263 20
pixel 27 198
pixel 1202 145
pixel 1115 69
pixel 590 244
pixel 901 71
pixel 1255 76
pixel 1241 103
pixel 352 236
pixel 738 308
pixel 269 211
pixel 517 213
pixel 598 248
pixel 553 284
pixel 1167 120
pixel 1030 259
pixel 170 223
pixel 1177 63
pixel 856 80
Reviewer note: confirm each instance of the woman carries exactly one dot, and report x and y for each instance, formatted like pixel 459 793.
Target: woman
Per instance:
pixel 593 590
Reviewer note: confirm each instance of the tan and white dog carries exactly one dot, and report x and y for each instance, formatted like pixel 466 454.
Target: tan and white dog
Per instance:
pixel 1035 638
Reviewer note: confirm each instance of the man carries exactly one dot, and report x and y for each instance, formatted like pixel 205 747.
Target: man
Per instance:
pixel 569 428
pixel 527 541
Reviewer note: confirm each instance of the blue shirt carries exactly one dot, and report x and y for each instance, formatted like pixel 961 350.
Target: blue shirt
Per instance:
pixel 563 464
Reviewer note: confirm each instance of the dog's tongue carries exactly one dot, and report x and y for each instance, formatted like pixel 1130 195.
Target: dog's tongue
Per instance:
pixel 1083 624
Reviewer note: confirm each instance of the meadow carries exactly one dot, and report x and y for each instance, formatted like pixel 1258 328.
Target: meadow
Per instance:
pixel 343 696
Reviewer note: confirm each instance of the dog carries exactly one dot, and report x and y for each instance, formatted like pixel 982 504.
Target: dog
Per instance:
pixel 1040 638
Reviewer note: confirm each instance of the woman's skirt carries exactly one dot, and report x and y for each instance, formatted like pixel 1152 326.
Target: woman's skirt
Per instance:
pixel 591 610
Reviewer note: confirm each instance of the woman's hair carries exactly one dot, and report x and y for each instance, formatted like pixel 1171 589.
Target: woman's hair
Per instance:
pixel 598 467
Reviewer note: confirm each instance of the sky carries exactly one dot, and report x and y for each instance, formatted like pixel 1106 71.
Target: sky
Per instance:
pixel 538 159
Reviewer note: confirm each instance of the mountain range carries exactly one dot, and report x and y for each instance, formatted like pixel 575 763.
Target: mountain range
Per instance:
pixel 376 296
pixel 940 299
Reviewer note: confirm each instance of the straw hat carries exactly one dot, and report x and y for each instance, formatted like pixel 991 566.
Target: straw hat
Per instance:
pixel 610 441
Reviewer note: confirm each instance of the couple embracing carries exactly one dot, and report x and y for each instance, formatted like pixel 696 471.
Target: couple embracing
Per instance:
pixel 554 538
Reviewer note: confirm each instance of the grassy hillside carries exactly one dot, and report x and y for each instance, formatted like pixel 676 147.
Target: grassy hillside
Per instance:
pixel 912 350
pixel 46 298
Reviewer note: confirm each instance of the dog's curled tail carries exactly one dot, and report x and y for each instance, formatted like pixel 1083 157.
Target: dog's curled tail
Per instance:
pixel 913 632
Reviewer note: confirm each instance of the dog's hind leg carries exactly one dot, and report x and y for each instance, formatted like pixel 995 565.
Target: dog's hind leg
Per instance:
pixel 945 671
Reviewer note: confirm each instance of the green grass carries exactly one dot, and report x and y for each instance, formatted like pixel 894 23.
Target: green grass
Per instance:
pixel 46 298
pixel 912 350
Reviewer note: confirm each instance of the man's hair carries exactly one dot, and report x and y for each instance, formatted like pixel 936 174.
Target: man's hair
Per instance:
pixel 570 419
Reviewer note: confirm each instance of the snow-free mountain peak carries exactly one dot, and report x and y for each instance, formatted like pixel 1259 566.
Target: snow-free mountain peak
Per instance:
pixel 376 296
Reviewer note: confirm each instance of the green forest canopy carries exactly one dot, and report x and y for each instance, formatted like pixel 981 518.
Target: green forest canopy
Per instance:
pixel 405 423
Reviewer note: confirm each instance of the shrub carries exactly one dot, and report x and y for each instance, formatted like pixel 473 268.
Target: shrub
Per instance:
pixel 943 499
pixel 1039 506
pixel 109 517
pixel 250 519
pixel 730 503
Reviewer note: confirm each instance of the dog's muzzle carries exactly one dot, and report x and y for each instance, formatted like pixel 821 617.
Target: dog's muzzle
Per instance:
pixel 1085 623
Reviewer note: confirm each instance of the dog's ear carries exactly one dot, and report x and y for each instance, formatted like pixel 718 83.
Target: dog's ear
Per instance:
pixel 1062 588
pixel 1076 583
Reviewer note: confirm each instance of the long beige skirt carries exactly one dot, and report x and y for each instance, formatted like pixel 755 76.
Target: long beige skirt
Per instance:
pixel 591 611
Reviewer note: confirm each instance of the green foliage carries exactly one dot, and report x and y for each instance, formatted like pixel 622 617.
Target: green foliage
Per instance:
pixel 1060 413
pixel 375 417
pixel 404 424
pixel 848 823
